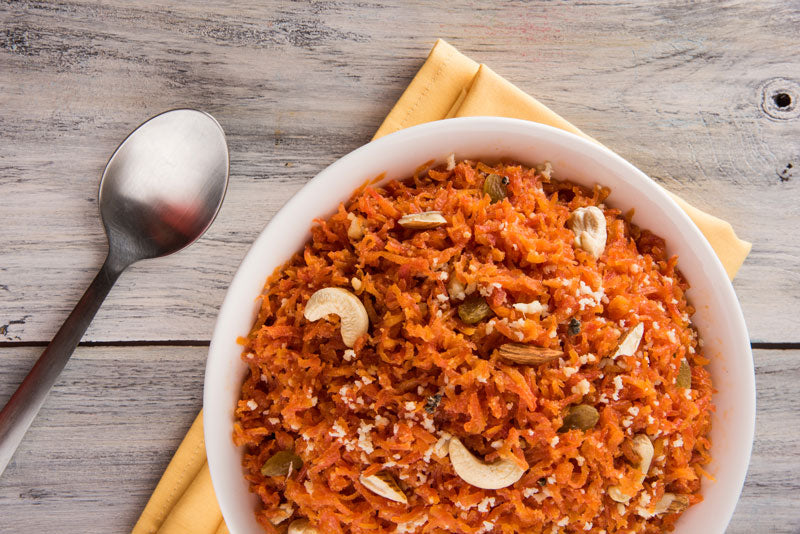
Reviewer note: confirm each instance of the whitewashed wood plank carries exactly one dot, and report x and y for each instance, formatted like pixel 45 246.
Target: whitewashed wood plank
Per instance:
pixel 103 438
pixel 769 499
pixel 111 424
pixel 676 90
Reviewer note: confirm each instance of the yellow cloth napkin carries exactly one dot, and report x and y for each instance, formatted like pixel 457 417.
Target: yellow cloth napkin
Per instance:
pixel 449 84
pixel 184 501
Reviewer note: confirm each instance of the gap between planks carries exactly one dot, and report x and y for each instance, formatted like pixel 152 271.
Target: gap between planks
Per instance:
pixel 205 343
pixel 144 343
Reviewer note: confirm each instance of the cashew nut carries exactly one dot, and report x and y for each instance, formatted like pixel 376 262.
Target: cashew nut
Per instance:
pixel 301 526
pixel 355 231
pixel 338 301
pixel 496 475
pixel 630 343
pixel 643 448
pixel 422 221
pixel 589 226
pixel 383 484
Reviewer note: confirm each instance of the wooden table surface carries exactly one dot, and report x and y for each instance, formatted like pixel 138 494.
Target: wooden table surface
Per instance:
pixel 689 92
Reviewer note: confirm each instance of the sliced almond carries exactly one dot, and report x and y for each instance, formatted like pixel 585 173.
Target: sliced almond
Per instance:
pixel 301 526
pixel 527 354
pixel 499 474
pixel 678 503
pixel 383 484
pixel 630 341
pixel 669 504
pixel 422 221
pixel 349 308
pixel 285 511
pixel 643 448
pixel 617 495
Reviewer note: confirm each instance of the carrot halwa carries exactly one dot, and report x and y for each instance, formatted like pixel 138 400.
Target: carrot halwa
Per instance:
pixel 524 362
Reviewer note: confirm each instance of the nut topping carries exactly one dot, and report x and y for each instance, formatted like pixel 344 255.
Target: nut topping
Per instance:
pixel 630 342
pixel 684 379
pixel 589 226
pixel 495 475
pixel 580 417
pixel 281 464
pixel 422 221
pixel 355 231
pixel 338 301
pixel 301 526
pixel 527 354
pixel 383 484
pixel 669 503
pixel 643 448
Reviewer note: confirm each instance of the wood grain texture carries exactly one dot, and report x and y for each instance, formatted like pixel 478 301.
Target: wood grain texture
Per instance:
pixel 110 426
pixel 684 90
pixel 104 436
pixel 675 88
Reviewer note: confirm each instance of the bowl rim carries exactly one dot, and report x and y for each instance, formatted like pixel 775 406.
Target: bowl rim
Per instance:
pixel 689 233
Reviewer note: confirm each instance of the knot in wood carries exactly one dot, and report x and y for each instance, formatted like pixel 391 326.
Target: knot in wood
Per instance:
pixel 780 98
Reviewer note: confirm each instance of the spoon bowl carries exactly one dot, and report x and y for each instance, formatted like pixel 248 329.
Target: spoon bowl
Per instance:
pixel 163 186
pixel 160 191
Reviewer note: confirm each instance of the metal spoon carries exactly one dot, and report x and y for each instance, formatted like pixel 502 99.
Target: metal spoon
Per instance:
pixel 160 191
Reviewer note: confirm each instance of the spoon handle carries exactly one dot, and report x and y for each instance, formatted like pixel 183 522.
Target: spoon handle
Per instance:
pixel 19 413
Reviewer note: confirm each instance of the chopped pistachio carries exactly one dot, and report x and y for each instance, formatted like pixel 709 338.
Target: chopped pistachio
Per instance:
pixel 474 310
pixel 580 417
pixel 281 464
pixel 574 327
pixel 432 403
pixel 495 186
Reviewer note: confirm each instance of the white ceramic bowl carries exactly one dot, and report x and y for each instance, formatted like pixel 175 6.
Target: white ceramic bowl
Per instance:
pixel 718 318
